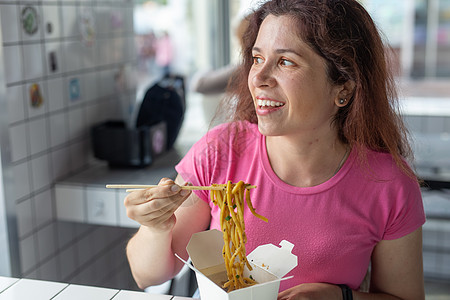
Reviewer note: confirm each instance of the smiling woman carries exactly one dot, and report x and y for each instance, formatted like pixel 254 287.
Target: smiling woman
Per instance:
pixel 313 124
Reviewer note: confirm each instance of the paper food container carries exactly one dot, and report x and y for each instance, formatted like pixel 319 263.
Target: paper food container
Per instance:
pixel 269 262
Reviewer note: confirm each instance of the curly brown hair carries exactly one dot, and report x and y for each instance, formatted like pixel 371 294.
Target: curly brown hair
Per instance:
pixel 343 33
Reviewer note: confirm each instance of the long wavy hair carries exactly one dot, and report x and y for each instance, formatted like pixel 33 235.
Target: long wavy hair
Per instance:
pixel 344 34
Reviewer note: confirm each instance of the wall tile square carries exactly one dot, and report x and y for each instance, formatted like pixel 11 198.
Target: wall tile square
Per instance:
pixel 21 176
pixel 101 206
pixel 93 114
pixel 118 49
pixel 16 109
pixel 117 20
pixel 84 249
pixel 24 217
pixel 106 83
pixel 88 56
pixel 32 274
pixel 100 240
pixel 18 141
pixel 79 155
pixel 41 172
pixel 83 229
pixel 90 85
pixel 51 21
pixel 38 135
pixel 56 96
pixel 87 276
pixel 43 208
pixel 49 270
pixel 66 234
pixel 34 110
pixel 130 53
pixel 70 20
pixel 128 19
pixel 112 109
pixel 105 52
pixel 72 56
pixel 60 163
pixel 46 238
pixel 58 129
pixel 12 58
pixel 28 257
pixel 10 23
pixel 70 203
pixel 103 19
pixel 33 61
pixel 54 63
pixel 77 123
pixel 67 262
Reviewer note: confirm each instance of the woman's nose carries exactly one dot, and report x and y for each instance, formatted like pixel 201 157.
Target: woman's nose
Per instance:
pixel 263 77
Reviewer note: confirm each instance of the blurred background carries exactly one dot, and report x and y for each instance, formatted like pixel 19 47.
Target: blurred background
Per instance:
pixel 69 65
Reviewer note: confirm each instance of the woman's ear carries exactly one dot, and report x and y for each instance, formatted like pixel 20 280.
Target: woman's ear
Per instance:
pixel 346 93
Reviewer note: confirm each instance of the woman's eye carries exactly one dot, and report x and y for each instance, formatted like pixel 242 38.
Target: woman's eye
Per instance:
pixel 286 62
pixel 257 60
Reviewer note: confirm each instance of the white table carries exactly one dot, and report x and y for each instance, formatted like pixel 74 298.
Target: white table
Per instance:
pixel 22 289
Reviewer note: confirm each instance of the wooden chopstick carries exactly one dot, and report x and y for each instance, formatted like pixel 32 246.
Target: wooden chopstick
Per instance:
pixel 134 187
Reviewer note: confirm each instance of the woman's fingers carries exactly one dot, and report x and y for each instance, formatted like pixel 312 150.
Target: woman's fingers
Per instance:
pixel 155 206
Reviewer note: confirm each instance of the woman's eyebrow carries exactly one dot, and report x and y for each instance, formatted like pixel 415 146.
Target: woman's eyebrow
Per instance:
pixel 281 51
pixel 287 50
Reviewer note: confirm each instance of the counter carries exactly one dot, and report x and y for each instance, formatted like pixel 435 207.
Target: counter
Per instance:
pixel 20 289
pixel 83 197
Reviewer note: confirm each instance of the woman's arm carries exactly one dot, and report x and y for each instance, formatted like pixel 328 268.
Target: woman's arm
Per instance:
pixel 397 267
pixel 168 219
pixel 397 273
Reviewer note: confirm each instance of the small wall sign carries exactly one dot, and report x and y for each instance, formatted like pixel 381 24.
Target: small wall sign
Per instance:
pixel 30 21
pixel 36 99
pixel 74 89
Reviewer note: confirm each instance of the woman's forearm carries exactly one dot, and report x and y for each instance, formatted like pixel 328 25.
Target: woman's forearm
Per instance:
pixel 151 257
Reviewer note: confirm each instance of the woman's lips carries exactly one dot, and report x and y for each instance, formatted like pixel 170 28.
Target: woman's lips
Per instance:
pixel 266 106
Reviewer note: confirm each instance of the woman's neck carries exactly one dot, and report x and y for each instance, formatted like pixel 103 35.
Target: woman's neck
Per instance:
pixel 306 162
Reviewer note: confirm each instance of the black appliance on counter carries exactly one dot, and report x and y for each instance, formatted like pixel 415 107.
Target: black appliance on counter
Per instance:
pixel 158 123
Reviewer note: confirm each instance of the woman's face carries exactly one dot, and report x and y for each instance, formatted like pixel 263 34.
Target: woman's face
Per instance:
pixel 288 82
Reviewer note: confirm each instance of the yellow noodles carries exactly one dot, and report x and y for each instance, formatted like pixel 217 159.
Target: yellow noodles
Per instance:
pixel 230 200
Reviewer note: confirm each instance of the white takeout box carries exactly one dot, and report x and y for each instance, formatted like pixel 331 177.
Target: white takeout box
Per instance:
pixel 269 262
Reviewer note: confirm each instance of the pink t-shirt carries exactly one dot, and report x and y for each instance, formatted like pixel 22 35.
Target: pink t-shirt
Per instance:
pixel 334 226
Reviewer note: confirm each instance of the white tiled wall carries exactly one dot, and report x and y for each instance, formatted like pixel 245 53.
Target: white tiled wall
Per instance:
pixel 92 205
pixel 51 141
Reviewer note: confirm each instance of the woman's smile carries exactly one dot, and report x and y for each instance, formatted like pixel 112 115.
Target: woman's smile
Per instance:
pixel 266 106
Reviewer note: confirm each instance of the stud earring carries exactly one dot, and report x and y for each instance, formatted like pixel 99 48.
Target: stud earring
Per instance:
pixel 342 100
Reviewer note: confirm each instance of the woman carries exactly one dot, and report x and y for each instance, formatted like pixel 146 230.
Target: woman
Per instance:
pixel 314 127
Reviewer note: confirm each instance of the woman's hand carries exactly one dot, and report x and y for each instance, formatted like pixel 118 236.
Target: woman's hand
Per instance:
pixel 155 207
pixel 312 291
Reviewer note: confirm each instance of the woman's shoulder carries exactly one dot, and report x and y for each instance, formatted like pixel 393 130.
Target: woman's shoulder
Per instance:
pixel 384 166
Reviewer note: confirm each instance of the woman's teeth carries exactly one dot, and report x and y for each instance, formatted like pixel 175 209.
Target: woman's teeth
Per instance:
pixel 269 103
